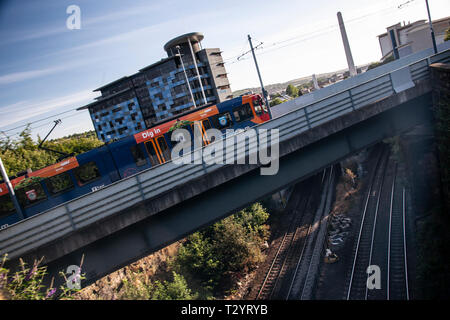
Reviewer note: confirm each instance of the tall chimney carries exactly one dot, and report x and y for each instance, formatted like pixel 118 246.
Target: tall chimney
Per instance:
pixel 348 53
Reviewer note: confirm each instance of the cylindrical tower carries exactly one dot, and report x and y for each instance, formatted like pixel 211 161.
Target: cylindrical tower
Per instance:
pixel 183 42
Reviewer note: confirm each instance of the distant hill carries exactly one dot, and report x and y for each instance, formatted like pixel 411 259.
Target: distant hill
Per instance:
pixel 277 87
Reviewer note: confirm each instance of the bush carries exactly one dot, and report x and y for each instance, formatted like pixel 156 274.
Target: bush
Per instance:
pixel 137 289
pixel 220 254
pixel 23 153
pixel 28 283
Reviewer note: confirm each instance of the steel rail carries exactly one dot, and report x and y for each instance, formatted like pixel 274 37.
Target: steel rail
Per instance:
pixel 371 184
pixel 300 259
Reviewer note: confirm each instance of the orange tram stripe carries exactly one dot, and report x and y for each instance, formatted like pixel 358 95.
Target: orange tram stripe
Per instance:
pixel 46 172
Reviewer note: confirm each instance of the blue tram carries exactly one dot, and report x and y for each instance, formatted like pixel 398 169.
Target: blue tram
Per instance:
pixel 75 176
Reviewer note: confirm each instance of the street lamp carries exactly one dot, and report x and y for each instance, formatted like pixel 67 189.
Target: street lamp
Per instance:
pixel 185 74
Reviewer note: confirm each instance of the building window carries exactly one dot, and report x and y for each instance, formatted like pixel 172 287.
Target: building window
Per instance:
pixel 121 130
pixel 119 120
pixel 130 106
pixel 117 109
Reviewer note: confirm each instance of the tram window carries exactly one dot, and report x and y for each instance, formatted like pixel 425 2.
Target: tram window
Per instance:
pixel 138 155
pixel 222 120
pixel 206 124
pixel 258 109
pixel 6 205
pixel 164 148
pixel 179 137
pixel 152 153
pixel 30 194
pixel 243 113
pixel 86 173
pixel 59 183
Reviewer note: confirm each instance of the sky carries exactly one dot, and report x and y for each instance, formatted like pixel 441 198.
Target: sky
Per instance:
pixel 48 70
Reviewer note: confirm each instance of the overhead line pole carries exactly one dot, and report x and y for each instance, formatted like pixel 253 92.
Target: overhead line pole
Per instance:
pixel 185 75
pixel 259 75
pixel 433 39
pixel 196 69
pixel 11 190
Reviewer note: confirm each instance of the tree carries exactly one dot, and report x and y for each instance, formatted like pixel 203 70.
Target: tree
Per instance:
pixel 447 35
pixel 276 101
pixel 221 253
pixel 292 91
pixel 172 290
pixel 19 155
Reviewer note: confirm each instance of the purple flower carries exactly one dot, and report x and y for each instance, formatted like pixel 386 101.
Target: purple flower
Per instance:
pixel 50 292
pixel 31 273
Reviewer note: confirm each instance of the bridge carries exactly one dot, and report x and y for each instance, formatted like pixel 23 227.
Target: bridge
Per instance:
pixel 136 216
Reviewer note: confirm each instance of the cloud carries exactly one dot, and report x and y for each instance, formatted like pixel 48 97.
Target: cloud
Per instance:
pixel 48 31
pixel 38 73
pixel 26 110
pixel 27 75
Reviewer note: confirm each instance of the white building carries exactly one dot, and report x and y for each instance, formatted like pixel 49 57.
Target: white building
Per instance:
pixel 412 37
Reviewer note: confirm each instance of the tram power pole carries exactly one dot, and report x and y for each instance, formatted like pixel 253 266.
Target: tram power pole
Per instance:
pixel 259 75
pixel 11 190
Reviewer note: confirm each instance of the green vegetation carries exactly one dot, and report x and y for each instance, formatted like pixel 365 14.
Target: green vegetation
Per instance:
pixel 209 263
pixel 218 256
pixel 180 124
pixel 292 91
pixel 23 153
pixel 377 64
pixel 28 283
pixel 447 35
pixel 176 289
pixel 276 101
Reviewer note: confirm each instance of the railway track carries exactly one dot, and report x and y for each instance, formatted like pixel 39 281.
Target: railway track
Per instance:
pixel 398 287
pixel 303 280
pixel 381 239
pixel 288 240
pixel 292 251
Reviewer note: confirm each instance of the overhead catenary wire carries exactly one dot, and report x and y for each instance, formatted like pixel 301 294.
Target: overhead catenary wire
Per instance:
pixel 39 120
pixel 310 35
pixel 37 127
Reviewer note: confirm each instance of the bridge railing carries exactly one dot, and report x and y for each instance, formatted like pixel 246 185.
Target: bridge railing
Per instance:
pixel 78 213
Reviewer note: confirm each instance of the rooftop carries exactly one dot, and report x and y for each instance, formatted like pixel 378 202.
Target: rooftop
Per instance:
pixel 193 36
